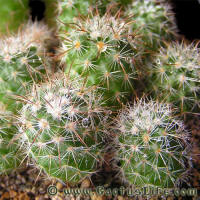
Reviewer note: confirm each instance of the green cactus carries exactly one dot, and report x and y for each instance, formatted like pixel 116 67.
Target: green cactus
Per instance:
pixel 13 13
pixel 152 145
pixel 175 76
pixel 101 50
pixel 20 65
pixel 155 24
pixel 61 128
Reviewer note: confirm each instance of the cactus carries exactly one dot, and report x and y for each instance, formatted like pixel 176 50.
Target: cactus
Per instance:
pixel 20 64
pixel 155 24
pixel 153 145
pixel 101 50
pixel 13 13
pixel 61 128
pixel 175 76
pixel 61 121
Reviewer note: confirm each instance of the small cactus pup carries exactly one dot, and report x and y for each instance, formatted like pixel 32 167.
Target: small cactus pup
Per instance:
pixel 61 128
pixel 175 76
pixel 20 64
pixel 13 13
pixel 152 145
pixel 100 49
pixel 155 23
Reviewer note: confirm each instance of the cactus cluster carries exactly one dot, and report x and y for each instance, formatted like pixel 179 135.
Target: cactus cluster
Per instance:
pixel 62 121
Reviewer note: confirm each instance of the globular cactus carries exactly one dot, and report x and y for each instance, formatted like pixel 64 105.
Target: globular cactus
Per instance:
pixel 100 49
pixel 155 24
pixel 175 76
pixel 13 13
pixel 61 128
pixel 152 145
pixel 20 65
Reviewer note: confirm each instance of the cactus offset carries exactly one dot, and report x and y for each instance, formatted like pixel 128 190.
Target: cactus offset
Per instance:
pixel 155 24
pixel 61 128
pixel 20 64
pixel 101 50
pixel 175 76
pixel 152 145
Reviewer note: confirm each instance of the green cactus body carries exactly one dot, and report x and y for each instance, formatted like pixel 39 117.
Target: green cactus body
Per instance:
pixel 13 13
pixel 175 76
pixel 61 129
pixel 154 23
pixel 152 145
pixel 20 65
pixel 100 50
